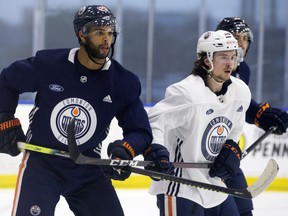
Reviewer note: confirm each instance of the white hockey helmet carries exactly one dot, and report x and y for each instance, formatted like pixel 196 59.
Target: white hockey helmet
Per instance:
pixel 215 41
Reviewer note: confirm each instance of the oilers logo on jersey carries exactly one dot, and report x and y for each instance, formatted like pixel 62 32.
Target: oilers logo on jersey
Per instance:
pixel 82 111
pixel 215 136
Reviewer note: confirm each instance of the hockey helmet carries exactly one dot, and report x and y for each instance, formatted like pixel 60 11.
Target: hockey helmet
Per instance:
pixel 235 25
pixel 215 41
pixel 93 15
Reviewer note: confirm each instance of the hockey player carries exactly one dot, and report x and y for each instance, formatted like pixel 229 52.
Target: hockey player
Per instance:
pixel 82 83
pixel 200 120
pixel 262 115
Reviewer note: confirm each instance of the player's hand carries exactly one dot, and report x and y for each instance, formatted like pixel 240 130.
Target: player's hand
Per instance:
pixel 268 116
pixel 160 156
pixel 227 163
pixel 10 133
pixel 118 149
pixel 116 173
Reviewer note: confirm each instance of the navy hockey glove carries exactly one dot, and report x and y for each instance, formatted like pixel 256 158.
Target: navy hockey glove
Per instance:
pixel 227 163
pixel 10 132
pixel 160 156
pixel 118 149
pixel 268 116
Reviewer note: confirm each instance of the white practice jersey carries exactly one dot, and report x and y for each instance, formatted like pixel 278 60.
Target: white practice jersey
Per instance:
pixel 193 123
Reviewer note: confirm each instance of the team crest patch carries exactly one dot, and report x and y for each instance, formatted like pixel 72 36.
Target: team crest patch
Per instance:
pixel 65 111
pixel 215 136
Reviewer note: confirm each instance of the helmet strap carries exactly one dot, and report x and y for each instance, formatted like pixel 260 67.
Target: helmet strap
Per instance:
pixel 210 74
pixel 112 45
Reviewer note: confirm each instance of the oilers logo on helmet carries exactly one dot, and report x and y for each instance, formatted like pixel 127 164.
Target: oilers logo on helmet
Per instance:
pixel 207 35
pixel 82 10
pixel 65 111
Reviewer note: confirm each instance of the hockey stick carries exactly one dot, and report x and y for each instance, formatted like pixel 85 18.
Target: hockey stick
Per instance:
pixel 265 179
pixel 79 158
pixel 258 141
pixel 260 185
pixel 252 191
pixel 22 146
pixel 97 161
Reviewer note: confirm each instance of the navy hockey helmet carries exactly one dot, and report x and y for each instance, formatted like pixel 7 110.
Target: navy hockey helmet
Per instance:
pixel 236 25
pixel 93 15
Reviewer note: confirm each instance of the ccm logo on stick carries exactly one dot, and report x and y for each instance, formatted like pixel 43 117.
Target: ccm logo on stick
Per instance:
pixel 123 163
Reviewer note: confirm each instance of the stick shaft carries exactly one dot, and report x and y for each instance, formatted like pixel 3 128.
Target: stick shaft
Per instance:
pixel 97 161
pixel 258 141
pixel 31 147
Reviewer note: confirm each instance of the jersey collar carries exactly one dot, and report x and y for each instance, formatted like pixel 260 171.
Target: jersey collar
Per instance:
pixel 72 54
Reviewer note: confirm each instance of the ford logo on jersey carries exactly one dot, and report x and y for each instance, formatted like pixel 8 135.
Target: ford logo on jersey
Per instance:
pixel 56 88
pixel 208 112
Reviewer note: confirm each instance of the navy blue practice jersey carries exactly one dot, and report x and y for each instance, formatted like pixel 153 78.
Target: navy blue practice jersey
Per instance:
pixel 242 72
pixel 65 90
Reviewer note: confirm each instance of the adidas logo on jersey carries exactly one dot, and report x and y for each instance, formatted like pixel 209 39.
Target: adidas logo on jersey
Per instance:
pixel 107 99
pixel 240 109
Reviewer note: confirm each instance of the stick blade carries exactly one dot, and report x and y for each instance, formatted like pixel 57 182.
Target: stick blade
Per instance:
pixel 72 145
pixel 266 178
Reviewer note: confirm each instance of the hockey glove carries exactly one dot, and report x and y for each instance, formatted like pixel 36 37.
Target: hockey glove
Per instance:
pixel 10 132
pixel 227 163
pixel 267 117
pixel 118 149
pixel 160 156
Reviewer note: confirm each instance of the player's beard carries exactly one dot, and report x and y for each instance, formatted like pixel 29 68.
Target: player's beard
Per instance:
pixel 221 79
pixel 94 51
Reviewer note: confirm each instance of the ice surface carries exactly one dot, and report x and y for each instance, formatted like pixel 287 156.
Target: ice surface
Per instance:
pixel 141 203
